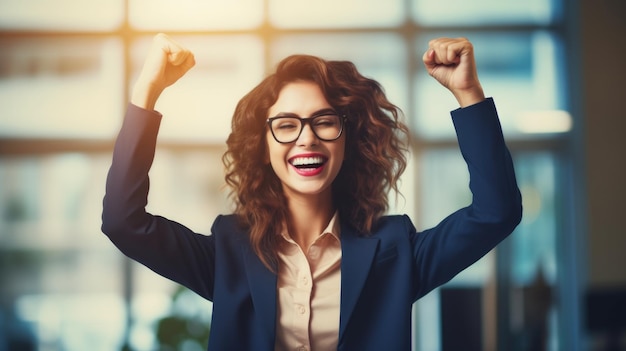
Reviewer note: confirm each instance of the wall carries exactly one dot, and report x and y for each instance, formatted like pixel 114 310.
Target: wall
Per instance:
pixel 603 50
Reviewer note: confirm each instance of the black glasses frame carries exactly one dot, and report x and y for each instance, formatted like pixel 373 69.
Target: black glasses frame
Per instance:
pixel 309 120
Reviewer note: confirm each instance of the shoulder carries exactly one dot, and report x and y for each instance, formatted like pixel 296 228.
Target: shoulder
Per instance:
pixel 393 225
pixel 228 223
pixel 228 228
pixel 225 222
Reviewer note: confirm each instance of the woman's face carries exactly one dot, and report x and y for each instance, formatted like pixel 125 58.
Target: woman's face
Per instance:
pixel 308 165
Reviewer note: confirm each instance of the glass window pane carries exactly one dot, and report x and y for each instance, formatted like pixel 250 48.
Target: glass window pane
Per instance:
pixel 533 253
pixel 534 242
pixel 462 12
pixel 19 193
pixel 98 15
pixel 443 190
pixel 519 70
pixel 444 187
pixel 57 269
pixel 377 55
pixel 60 87
pixel 195 15
pixel 200 105
pixel 335 14
pixel 52 202
pixel 188 186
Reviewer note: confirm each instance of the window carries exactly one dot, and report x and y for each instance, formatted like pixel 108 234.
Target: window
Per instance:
pixel 41 76
pixel 66 69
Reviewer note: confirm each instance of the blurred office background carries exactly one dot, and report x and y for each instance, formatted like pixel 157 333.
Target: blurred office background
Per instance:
pixel 556 71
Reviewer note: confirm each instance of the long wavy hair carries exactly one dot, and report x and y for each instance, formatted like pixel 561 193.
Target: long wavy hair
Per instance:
pixel 375 155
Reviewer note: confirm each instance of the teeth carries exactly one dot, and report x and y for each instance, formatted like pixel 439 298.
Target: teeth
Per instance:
pixel 301 161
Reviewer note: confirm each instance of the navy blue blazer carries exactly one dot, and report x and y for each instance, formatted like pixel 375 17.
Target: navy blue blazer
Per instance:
pixel 382 274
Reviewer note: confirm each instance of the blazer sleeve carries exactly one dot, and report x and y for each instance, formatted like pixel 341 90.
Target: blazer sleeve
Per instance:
pixel 496 208
pixel 168 248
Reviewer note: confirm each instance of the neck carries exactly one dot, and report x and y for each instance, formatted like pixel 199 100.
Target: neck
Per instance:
pixel 308 217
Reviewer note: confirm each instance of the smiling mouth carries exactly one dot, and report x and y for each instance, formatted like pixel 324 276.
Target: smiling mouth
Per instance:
pixel 303 163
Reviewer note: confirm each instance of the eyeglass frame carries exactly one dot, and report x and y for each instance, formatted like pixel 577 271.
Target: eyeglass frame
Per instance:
pixel 308 120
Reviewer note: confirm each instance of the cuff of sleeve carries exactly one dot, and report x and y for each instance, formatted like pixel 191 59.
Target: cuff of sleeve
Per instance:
pixel 134 110
pixel 475 116
pixel 139 121
pixel 486 105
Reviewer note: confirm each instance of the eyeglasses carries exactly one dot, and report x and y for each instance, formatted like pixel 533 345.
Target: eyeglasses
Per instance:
pixel 327 126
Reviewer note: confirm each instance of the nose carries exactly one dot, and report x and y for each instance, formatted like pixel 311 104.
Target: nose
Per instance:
pixel 307 136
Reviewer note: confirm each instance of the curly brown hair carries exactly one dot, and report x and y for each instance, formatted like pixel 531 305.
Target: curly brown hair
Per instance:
pixel 376 146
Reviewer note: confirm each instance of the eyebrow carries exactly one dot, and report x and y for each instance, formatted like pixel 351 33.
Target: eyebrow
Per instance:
pixel 323 111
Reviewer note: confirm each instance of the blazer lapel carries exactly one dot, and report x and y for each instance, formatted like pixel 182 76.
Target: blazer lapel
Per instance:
pixel 357 256
pixel 262 284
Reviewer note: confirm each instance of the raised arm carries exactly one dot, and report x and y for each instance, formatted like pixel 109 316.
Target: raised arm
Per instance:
pixel 469 233
pixel 167 247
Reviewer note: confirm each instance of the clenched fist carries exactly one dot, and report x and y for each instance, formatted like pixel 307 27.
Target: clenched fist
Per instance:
pixel 451 63
pixel 166 62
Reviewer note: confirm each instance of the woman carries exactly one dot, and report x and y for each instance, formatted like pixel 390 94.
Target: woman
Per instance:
pixel 308 261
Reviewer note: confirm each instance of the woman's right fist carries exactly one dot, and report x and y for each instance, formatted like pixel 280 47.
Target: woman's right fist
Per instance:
pixel 166 62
